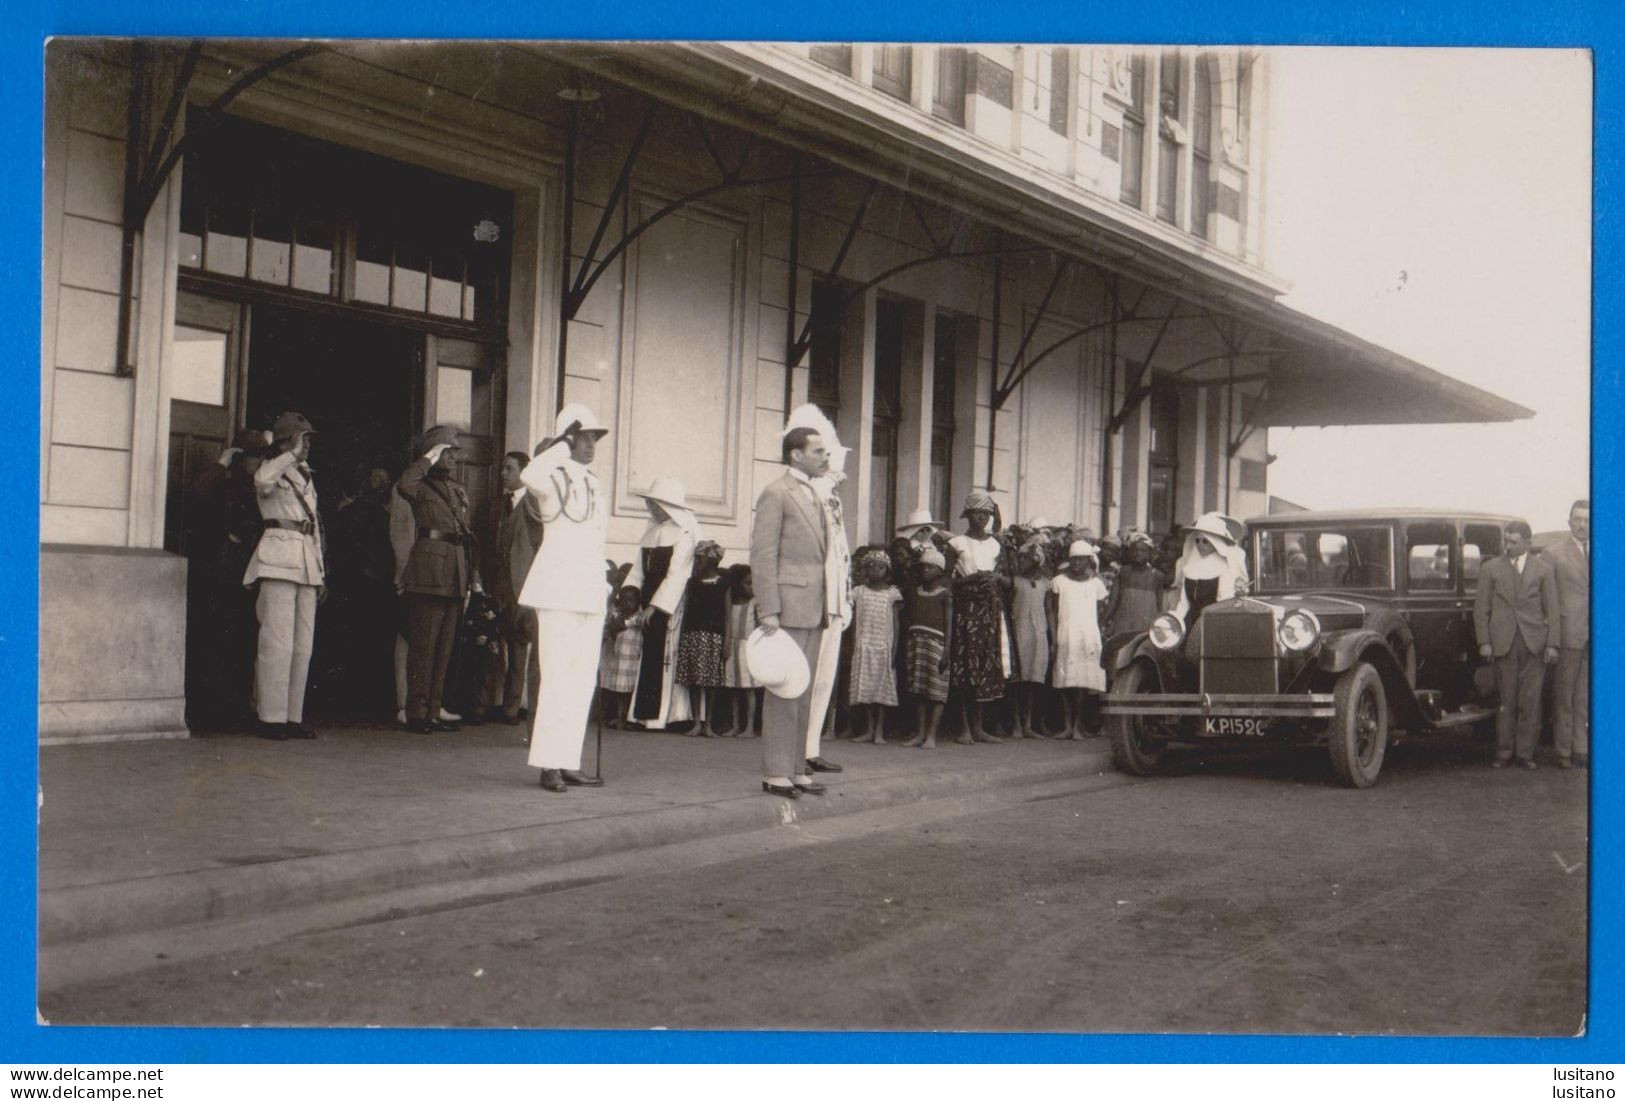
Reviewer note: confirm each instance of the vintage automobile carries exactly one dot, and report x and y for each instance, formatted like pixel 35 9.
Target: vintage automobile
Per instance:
pixel 1358 627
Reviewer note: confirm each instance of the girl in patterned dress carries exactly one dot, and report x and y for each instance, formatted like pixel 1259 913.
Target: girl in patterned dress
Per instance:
pixel 1078 672
pixel 742 620
pixel 1031 624
pixel 700 663
pixel 618 675
pixel 874 657
pixel 928 615
pixel 980 657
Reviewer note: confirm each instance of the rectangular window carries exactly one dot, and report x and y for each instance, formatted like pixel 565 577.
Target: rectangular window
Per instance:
pixel 1428 557
pixel 833 55
pixel 1060 88
pixel 305 216
pixel 948 101
pixel 894 70
pixel 200 365
pixel 1162 459
pixel 1168 146
pixel 946 361
pixel 1201 144
pixel 824 351
pixel 1479 542
pixel 1133 140
pixel 890 318
pixel 1326 558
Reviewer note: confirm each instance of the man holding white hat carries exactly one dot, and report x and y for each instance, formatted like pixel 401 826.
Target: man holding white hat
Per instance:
pixel 566 586
pixel 789 541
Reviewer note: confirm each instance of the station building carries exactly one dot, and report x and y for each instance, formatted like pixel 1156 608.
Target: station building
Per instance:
pixel 1034 270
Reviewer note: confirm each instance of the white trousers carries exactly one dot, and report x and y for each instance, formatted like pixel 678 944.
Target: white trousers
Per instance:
pixel 567 648
pixel 287 614
pixel 823 687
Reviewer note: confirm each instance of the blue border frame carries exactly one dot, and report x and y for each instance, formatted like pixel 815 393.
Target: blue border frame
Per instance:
pixel 1276 22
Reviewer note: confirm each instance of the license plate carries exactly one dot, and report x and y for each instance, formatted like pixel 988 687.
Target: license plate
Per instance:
pixel 1234 726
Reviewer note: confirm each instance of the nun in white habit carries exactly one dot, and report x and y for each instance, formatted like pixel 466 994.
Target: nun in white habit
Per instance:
pixel 660 573
pixel 1212 568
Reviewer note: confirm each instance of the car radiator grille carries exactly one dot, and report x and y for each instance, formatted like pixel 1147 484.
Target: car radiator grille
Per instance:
pixel 1238 653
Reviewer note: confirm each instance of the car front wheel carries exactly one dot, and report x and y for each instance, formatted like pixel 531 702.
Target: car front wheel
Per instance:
pixel 1138 741
pixel 1359 730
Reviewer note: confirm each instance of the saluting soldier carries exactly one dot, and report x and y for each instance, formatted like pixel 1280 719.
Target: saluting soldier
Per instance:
pixel 439 573
pixel 287 565
pixel 567 588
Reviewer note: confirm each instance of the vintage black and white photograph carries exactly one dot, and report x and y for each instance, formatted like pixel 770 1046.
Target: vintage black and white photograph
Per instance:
pixel 838 536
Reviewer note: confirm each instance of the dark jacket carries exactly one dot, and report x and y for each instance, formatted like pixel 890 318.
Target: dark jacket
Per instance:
pixel 437 567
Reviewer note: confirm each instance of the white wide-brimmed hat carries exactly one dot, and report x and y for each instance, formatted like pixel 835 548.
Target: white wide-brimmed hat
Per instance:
pixel 577 417
pixel 919 518
pixel 1082 548
pixel 1211 523
pixel 668 491
pixel 777 663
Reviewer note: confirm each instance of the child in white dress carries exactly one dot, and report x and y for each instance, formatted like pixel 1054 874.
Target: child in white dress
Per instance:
pixel 1079 592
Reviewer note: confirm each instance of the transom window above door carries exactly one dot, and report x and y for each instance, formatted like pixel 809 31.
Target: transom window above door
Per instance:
pixel 271 208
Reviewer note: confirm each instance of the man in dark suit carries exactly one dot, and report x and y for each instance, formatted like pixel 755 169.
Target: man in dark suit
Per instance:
pixel 518 535
pixel 788 540
pixel 1518 622
pixel 439 573
pixel 1571 561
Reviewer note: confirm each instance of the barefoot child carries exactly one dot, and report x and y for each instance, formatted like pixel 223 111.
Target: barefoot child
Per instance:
pixel 1078 672
pixel 874 654
pixel 927 612
pixel 741 622
pixel 700 663
pixel 1031 624
pixel 619 674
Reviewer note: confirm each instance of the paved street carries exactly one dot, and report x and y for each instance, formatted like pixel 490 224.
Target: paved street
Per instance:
pixel 1235 896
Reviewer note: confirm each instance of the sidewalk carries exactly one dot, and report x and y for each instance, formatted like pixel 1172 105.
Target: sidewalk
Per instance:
pixel 136 837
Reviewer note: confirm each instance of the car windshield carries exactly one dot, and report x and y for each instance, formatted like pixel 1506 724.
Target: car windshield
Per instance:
pixel 1331 556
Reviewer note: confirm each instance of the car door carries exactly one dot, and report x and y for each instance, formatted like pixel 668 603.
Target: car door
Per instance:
pixel 1440 614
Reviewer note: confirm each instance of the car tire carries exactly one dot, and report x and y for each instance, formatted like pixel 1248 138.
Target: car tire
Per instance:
pixel 1134 750
pixel 1358 735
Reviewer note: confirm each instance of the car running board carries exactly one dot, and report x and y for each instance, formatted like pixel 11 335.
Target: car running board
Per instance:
pixel 1465 717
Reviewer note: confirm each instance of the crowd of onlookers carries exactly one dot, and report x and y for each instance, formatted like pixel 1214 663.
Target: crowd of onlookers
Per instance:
pixel 997 631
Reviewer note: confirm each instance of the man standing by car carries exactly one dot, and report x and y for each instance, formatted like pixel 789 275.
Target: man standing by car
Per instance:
pixel 1571 561
pixel 1518 622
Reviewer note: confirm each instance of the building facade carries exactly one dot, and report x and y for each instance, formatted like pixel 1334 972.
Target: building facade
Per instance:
pixel 1037 271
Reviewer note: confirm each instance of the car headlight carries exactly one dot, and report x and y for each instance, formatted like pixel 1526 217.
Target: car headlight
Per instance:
pixel 1167 630
pixel 1299 630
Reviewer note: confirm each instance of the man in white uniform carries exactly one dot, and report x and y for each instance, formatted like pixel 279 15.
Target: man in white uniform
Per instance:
pixel 566 586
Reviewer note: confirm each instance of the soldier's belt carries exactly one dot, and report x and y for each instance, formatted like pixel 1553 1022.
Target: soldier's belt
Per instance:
pixel 456 539
pixel 303 527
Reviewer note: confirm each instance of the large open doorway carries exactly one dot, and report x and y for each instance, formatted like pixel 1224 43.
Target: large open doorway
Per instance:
pixel 360 384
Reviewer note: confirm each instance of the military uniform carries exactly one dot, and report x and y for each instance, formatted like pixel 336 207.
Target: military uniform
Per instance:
pixel 566 586
pixel 287 565
pixel 438 575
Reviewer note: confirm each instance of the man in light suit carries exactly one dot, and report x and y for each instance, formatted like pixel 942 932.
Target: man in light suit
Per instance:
pixel 1518 622
pixel 788 542
pixel 518 535
pixel 1571 561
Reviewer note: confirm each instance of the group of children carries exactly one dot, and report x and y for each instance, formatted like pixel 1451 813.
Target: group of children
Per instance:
pixel 718 615
pixel 1060 606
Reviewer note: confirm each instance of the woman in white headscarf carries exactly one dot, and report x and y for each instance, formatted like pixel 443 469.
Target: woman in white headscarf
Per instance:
pixel 1212 568
pixel 660 573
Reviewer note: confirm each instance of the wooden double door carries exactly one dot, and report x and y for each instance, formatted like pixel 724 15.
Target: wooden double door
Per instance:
pixel 369 388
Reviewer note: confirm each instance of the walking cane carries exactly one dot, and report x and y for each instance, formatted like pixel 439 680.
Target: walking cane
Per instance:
pixel 598 756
